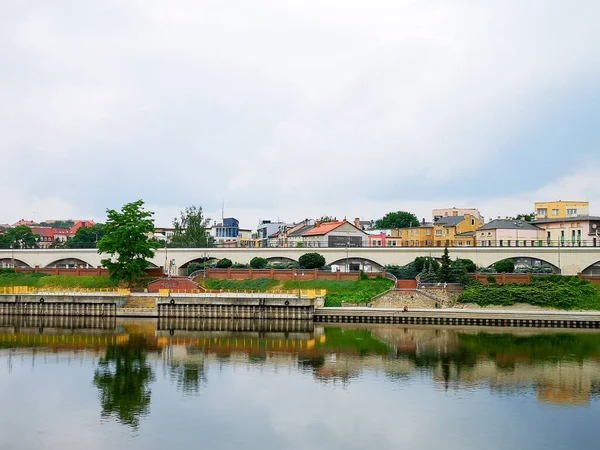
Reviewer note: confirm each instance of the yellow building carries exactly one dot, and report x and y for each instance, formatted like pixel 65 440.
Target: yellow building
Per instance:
pixel 455 231
pixel 561 209
pixel 415 236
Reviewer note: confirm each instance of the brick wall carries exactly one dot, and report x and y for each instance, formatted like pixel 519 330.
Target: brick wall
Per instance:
pixel 282 274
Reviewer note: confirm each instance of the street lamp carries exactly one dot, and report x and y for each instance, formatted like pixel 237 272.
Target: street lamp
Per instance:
pixel 595 228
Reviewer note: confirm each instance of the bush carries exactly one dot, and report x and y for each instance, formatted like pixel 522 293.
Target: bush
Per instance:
pixel 491 279
pixel 407 272
pixel 311 261
pixel 288 265
pixel 259 263
pixel 506 265
pixel 239 266
pixel 553 291
pixel 422 262
pixel 192 267
pixel 224 263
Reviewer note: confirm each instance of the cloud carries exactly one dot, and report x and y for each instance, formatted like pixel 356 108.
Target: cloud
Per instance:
pixel 293 109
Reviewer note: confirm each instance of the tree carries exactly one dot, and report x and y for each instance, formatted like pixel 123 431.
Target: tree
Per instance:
pixel 326 219
pixel 468 265
pixel 224 263
pixel 19 237
pixel 526 217
pixel 445 271
pixel 190 230
pixel 420 261
pixel 398 219
pixel 311 261
pixel 259 263
pixel 428 273
pixel 87 237
pixel 506 265
pixel 128 241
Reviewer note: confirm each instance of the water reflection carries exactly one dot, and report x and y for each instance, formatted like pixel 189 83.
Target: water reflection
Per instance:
pixel 560 368
pixel 123 378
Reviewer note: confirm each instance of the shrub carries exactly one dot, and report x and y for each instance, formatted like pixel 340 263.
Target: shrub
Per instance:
pixel 239 266
pixel 491 279
pixel 311 261
pixel 468 265
pixel 259 263
pixel 224 263
pixel 192 267
pixel 506 265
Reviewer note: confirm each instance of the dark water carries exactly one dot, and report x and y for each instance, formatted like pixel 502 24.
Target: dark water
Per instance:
pixel 90 384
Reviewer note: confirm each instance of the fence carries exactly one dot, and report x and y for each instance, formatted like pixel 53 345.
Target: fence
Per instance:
pixel 81 271
pixel 280 274
pixel 18 290
pixel 302 293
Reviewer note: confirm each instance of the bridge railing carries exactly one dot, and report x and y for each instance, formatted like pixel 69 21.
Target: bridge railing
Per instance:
pixel 302 293
pixel 18 290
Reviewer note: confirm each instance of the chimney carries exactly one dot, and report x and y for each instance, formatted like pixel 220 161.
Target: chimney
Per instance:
pixel 357 222
pixel 423 221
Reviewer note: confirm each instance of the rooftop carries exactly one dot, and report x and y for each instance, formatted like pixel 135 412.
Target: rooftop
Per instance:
pixel 506 224
pixel 568 219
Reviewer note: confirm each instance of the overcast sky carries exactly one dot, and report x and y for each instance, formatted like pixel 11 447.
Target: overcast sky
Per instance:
pixel 287 109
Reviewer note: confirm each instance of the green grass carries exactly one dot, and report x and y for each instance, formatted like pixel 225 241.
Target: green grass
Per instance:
pixel 338 291
pixel 261 284
pixel 55 281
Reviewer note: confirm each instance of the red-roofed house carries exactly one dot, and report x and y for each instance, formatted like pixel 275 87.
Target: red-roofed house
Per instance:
pixel 80 224
pixel 335 234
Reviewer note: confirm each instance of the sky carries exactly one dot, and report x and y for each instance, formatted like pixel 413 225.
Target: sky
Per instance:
pixel 289 109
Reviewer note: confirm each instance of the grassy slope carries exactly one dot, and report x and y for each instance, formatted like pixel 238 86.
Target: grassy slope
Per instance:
pixel 36 280
pixel 360 291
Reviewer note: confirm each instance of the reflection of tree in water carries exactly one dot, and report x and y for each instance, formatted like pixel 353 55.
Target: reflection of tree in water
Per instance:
pixel 122 377
pixel 188 376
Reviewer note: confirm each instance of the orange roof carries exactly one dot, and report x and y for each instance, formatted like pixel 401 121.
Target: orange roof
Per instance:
pixel 323 228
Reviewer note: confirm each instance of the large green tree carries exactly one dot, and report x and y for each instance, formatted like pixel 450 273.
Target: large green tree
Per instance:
pixel 311 261
pixel 19 237
pixel 398 219
pixel 190 230
pixel 128 240
pixel 445 270
pixel 87 237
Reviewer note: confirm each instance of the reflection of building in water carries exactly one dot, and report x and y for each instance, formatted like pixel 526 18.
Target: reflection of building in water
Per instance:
pixel 560 368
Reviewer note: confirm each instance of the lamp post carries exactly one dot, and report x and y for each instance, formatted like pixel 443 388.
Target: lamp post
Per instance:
pixel 595 228
pixel 12 255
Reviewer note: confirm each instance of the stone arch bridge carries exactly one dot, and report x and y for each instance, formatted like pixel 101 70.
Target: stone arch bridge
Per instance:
pixel 566 260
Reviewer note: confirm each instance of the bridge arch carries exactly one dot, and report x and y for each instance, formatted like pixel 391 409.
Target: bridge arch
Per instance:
pixel 528 262
pixel 200 260
pixel 355 263
pixel 592 269
pixel 280 259
pixel 7 263
pixel 68 263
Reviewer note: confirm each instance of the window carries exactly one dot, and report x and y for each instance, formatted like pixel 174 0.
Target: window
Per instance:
pixel 543 212
pixel 571 211
pixel 428 232
pixel 468 243
pixel 438 232
pixel 509 242
pixel 472 222
pixel 459 243
pixel 501 243
pixel 489 243
pixel 555 212
pixel 447 231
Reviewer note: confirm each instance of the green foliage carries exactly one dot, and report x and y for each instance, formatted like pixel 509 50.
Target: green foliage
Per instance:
pixel 554 291
pixel 87 237
pixel 491 279
pixel 299 244
pixel 420 264
pixel 6 271
pixel 239 266
pixel 190 230
pixel 526 217
pixel 407 272
pixel 65 224
pixel 19 237
pixel 224 263
pixel 259 263
pixel 467 264
pixel 311 261
pixel 127 240
pixel 193 267
pixel 259 284
pixel 428 275
pixel 398 219
pixel 506 265
pixel 326 219
pixel 445 271
pixel 284 265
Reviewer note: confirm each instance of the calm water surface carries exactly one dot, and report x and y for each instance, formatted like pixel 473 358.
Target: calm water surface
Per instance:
pixel 92 384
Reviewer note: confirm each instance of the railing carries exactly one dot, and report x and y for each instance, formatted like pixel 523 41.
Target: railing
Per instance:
pixel 302 293
pixel 18 290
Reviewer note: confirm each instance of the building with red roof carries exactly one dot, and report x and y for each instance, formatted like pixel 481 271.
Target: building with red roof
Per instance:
pixel 335 234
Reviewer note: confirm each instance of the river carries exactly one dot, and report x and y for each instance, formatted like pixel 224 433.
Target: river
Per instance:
pixel 141 384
